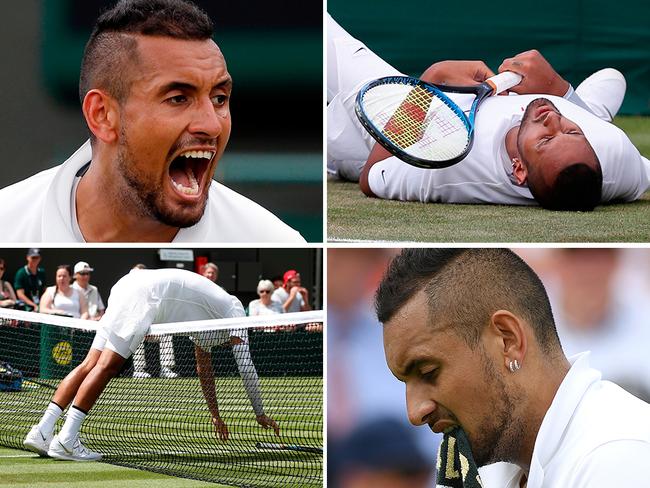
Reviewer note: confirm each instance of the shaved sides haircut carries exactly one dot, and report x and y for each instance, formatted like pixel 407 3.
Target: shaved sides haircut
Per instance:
pixel 110 59
pixel 464 287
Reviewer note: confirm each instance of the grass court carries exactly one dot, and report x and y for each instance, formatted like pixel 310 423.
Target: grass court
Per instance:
pixel 163 427
pixel 351 216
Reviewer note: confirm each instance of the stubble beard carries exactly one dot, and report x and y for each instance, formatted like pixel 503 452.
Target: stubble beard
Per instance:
pixel 146 199
pixel 501 430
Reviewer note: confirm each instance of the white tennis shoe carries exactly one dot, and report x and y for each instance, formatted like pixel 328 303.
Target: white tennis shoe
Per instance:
pixel 38 442
pixel 76 451
pixel 603 92
pixel 167 373
pixel 141 374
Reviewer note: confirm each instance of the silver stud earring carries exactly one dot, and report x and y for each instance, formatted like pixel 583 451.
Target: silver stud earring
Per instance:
pixel 514 366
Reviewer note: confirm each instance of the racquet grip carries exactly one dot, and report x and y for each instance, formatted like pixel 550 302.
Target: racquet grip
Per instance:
pixel 503 81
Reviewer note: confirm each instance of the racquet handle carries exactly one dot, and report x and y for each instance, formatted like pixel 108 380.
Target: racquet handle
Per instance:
pixel 503 81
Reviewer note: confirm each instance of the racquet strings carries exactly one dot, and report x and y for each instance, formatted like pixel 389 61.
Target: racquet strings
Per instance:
pixel 416 121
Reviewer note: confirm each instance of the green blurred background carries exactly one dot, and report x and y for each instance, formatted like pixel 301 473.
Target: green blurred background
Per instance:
pixel 578 37
pixel 273 51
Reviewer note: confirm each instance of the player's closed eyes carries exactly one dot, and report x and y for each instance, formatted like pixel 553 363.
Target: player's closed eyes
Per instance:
pixel 430 376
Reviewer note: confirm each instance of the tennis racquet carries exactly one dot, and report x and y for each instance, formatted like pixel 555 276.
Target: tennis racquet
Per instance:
pixel 418 123
pixel 288 447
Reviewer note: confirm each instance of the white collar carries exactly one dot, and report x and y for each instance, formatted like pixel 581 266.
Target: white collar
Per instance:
pixel 556 421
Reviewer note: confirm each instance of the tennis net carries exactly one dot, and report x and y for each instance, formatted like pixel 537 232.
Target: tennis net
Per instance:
pixel 154 415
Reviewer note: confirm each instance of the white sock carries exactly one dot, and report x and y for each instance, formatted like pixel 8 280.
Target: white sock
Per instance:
pixel 48 421
pixel 70 429
pixel 167 352
pixel 139 361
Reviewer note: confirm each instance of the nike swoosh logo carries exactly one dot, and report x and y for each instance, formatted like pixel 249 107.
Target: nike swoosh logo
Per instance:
pixel 382 175
pixel 361 49
pixel 42 436
pixel 68 451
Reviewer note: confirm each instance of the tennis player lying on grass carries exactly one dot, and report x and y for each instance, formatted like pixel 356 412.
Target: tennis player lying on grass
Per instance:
pixel 550 145
pixel 139 299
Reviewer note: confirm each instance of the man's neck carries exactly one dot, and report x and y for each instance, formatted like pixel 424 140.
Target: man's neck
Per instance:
pixel 540 396
pixel 32 269
pixel 104 216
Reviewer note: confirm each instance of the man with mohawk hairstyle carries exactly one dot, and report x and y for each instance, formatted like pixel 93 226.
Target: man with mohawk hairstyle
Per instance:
pixel 471 333
pixel 155 94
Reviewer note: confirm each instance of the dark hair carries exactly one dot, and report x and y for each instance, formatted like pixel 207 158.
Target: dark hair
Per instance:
pixel 68 268
pixel 112 48
pixel 577 187
pixel 465 287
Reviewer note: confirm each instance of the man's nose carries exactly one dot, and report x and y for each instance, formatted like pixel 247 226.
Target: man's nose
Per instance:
pixel 207 121
pixel 552 120
pixel 419 405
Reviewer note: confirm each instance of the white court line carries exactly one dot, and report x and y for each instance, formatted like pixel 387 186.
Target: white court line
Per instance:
pixel 7 456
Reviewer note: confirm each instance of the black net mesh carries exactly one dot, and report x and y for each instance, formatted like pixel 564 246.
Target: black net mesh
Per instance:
pixel 154 416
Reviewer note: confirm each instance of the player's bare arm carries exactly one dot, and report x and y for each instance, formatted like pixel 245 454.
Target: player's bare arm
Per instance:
pixel 206 378
pixel 538 74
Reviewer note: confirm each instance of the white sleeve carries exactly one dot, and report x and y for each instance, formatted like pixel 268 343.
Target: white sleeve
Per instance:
pixel 617 463
pixel 573 97
pixel 350 64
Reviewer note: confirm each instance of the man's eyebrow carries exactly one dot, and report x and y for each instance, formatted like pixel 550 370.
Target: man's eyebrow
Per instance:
pixel 184 86
pixel 225 83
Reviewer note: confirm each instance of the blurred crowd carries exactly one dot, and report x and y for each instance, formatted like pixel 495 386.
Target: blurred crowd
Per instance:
pixel 72 295
pixel 601 303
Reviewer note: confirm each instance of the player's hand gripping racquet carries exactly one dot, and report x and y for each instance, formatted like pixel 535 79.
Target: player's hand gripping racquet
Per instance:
pixel 418 123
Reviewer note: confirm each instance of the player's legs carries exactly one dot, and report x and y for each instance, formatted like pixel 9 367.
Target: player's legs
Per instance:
pixel 167 360
pixel 68 388
pixel 140 363
pixel 40 436
pixel 66 445
pixel 108 366
pixel 603 92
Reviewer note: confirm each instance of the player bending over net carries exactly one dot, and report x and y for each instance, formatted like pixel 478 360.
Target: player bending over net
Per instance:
pixel 139 299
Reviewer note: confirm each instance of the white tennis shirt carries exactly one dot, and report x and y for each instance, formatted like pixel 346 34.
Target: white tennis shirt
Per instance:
pixel 485 175
pixel 43 206
pixel 594 435
pixel 145 297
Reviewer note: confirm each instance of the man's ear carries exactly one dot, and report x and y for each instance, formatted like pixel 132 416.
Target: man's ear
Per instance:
pixel 101 112
pixel 509 332
pixel 519 171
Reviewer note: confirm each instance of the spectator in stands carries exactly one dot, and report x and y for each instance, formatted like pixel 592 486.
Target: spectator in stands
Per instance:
pixel 29 282
pixel 82 284
pixel 7 296
pixel 62 299
pixel 292 296
pixel 277 282
pixel 600 307
pixel 264 305
pixel 166 353
pixel 210 271
pixel 381 453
